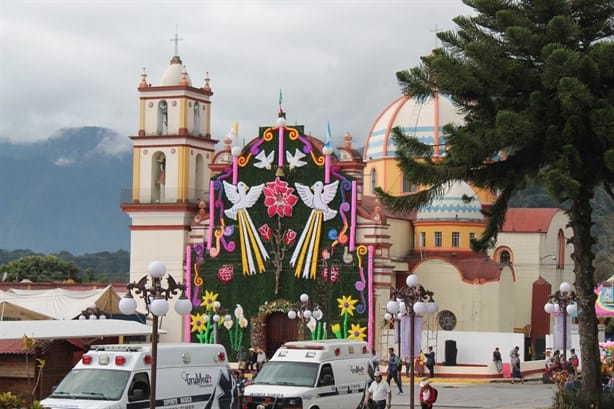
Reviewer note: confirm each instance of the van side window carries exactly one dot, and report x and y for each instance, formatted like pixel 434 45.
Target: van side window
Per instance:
pixel 139 387
pixel 326 376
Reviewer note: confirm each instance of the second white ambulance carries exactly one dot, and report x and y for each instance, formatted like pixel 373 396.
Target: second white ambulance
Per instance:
pixel 328 374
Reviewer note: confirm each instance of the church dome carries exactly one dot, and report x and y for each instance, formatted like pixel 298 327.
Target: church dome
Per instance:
pixel 173 74
pixel 420 118
pixel 458 203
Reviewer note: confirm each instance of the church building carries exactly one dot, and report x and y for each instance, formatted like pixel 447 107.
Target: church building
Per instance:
pixel 252 227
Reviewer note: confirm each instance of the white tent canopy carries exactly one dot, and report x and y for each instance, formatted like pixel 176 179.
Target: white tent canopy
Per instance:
pixel 58 303
pixel 54 329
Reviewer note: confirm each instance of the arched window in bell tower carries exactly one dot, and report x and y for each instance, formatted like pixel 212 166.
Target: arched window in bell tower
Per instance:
pixel 162 127
pixel 196 125
pixel 199 179
pixel 158 177
pixel 373 181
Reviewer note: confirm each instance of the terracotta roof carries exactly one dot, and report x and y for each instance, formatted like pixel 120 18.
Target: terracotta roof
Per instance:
pixel 528 220
pixel 17 346
pixel 473 268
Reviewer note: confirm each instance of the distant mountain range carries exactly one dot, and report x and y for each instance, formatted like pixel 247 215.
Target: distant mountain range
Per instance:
pixel 64 193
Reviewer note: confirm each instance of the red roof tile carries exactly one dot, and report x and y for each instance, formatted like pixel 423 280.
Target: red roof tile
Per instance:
pixel 528 220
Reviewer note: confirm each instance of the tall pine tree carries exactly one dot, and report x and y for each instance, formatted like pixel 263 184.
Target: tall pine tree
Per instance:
pixel 536 81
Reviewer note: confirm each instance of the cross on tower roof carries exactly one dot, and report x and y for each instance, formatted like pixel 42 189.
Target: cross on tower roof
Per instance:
pixel 176 39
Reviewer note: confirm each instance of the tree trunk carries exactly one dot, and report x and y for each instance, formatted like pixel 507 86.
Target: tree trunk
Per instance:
pixel 580 215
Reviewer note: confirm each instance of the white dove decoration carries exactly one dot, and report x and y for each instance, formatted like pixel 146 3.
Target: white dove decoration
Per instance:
pixel 305 255
pixel 294 161
pixel 251 245
pixel 265 161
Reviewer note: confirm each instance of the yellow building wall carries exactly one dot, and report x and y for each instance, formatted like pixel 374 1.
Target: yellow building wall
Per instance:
pixel 464 228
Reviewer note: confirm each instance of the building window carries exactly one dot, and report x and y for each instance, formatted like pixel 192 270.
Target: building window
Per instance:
pixel 471 237
pixel 446 320
pixel 455 239
pixel 196 125
pixel 373 181
pixel 438 239
pixel 162 127
pixel 505 257
pixel 408 187
pixel 422 239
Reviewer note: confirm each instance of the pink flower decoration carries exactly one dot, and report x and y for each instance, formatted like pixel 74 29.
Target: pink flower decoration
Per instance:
pixel 279 198
pixel 290 237
pixel 265 232
pixel 225 274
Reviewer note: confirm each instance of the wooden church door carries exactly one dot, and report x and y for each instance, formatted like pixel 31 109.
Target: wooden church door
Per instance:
pixel 279 329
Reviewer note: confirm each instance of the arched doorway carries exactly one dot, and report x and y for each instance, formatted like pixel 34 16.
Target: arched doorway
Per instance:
pixel 279 329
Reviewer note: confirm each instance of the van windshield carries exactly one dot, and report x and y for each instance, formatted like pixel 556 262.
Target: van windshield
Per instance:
pixel 287 373
pixel 95 384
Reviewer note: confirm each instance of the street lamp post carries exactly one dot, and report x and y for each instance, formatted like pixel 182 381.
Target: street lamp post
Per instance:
pixel 156 301
pixel 562 302
pixel 389 316
pixel 410 299
pixel 305 310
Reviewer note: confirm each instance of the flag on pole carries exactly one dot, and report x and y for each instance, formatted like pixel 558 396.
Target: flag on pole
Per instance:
pixel 235 128
pixel 328 134
pixel 282 114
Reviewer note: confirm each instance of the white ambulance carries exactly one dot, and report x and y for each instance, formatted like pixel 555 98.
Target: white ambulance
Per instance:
pixel 328 374
pixel 189 376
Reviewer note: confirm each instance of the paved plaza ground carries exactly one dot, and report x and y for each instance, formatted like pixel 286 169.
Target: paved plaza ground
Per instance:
pixel 463 394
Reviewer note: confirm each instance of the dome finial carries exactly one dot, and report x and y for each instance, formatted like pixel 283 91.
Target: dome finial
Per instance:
pixel 348 140
pixel 184 77
pixel 143 79
pixel 207 87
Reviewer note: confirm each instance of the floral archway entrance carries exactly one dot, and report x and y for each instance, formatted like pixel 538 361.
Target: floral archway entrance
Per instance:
pixel 269 314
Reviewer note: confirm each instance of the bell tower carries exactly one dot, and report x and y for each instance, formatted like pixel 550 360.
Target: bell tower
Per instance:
pixel 170 173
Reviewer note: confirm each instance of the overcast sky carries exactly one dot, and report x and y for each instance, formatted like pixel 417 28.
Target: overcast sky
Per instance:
pixel 70 63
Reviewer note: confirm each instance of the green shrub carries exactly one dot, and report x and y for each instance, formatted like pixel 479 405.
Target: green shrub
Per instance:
pixel 576 399
pixel 9 400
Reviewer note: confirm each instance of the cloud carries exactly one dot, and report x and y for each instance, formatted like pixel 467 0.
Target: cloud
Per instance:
pixel 64 161
pixel 78 63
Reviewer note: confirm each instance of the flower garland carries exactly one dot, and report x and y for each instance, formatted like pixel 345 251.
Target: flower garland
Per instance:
pixel 264 311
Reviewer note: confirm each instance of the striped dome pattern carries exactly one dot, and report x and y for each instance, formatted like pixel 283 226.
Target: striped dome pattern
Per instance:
pixel 417 118
pixel 451 205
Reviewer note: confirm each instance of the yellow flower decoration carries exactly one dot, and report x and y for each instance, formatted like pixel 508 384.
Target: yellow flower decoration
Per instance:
pixel 198 322
pixel 347 305
pixel 209 300
pixel 357 332
pixel 335 328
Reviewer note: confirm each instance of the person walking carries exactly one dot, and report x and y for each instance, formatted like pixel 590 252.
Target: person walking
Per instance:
pixel 496 358
pixel 379 393
pixel 428 394
pixel 515 364
pixel 572 364
pixel 430 362
pixel 393 370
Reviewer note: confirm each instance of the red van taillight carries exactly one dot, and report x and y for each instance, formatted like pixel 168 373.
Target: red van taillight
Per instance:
pixel 221 356
pixel 120 360
pixel 147 359
pixel 86 359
